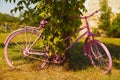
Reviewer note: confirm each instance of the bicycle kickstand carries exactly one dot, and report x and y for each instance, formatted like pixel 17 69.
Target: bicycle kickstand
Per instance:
pixel 42 65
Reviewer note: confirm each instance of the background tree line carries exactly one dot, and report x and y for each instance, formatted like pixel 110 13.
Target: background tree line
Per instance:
pixel 109 22
pixel 8 22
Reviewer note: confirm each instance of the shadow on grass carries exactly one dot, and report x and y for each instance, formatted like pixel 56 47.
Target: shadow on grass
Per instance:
pixel 79 61
pixel 115 54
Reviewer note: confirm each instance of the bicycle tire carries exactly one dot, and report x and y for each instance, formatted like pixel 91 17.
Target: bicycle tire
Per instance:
pixel 100 56
pixel 16 44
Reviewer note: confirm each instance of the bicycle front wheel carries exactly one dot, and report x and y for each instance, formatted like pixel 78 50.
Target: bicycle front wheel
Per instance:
pixel 21 45
pixel 100 56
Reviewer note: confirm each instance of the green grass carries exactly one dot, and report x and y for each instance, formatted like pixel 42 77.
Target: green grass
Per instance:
pixel 80 67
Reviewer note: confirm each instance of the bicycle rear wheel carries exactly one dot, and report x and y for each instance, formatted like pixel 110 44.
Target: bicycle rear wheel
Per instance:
pixel 100 56
pixel 21 45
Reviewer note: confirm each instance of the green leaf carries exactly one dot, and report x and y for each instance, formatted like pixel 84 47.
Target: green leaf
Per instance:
pixel 11 11
pixel 15 9
pixel 21 8
pixel 24 2
pixel 6 0
pixel 10 1
pixel 19 3
pixel 14 1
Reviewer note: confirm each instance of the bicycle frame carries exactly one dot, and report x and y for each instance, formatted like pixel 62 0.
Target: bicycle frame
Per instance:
pixel 87 32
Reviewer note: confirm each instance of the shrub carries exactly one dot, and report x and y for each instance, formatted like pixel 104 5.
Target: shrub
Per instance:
pixel 114 30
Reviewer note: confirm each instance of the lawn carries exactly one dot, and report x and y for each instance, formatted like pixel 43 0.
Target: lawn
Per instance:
pixel 80 68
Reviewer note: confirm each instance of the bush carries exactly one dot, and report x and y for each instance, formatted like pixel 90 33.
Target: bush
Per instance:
pixel 114 30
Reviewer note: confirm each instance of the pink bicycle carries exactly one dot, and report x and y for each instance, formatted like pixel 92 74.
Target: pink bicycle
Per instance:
pixel 28 42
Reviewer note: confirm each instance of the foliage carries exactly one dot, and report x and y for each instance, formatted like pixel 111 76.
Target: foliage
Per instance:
pixel 8 22
pixel 61 12
pixel 96 31
pixel 105 15
pixel 110 27
pixel 114 30
pixel 7 18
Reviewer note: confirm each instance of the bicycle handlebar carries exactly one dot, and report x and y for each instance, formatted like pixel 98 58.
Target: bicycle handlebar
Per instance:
pixel 85 17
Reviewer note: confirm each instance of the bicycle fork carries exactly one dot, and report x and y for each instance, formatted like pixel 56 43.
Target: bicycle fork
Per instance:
pixel 87 47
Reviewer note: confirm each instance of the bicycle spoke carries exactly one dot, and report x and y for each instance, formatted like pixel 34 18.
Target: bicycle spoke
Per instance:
pixel 34 41
pixel 26 38
pixel 30 39
pixel 19 46
pixel 100 56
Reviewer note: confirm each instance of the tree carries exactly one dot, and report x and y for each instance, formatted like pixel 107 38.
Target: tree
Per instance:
pixel 114 30
pixel 105 15
pixel 61 23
